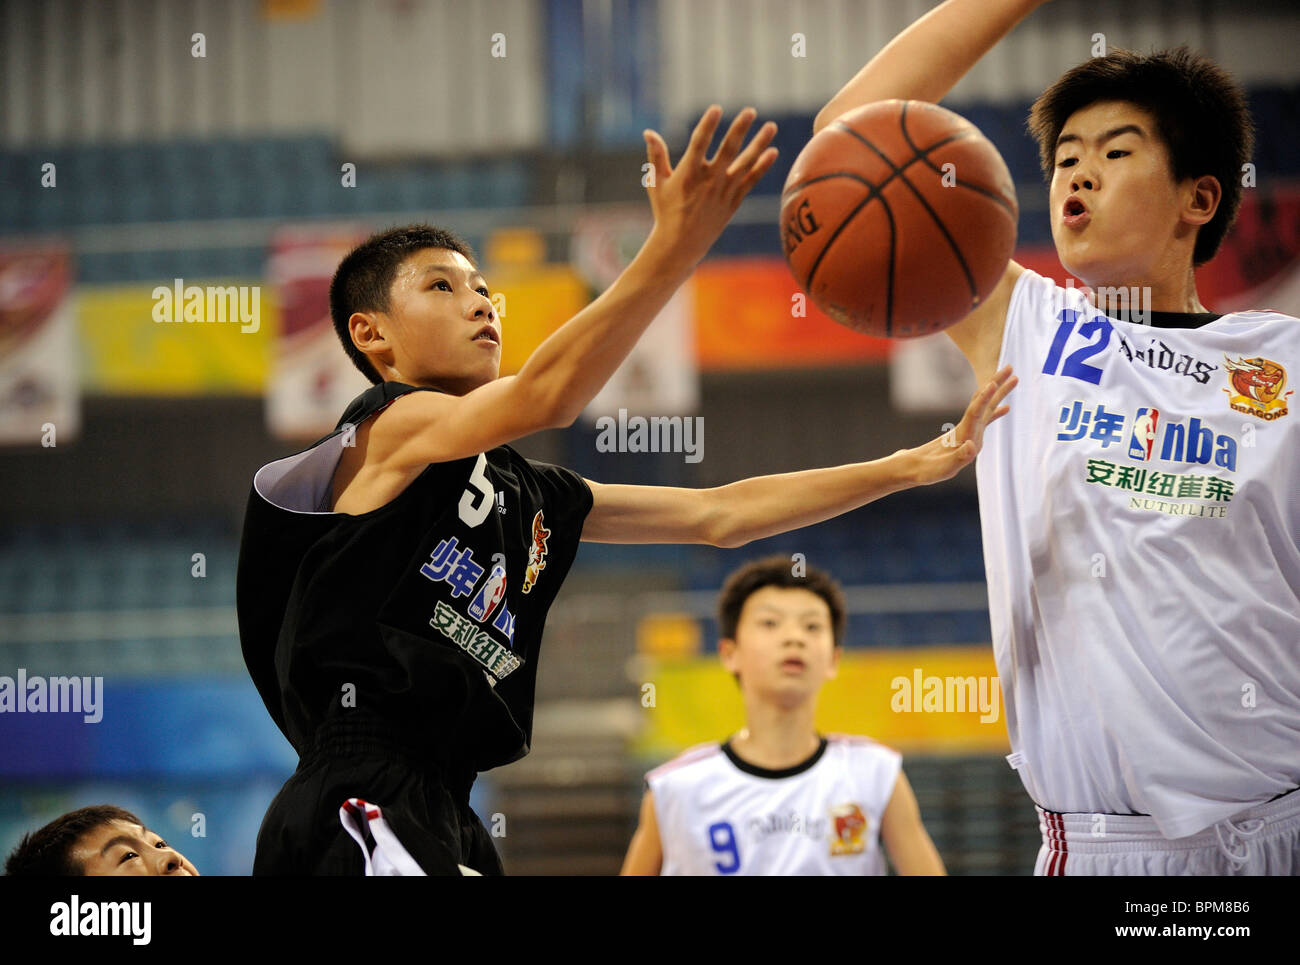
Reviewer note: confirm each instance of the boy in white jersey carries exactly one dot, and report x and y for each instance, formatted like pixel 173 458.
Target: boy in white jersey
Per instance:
pixel 1140 511
pixel 779 798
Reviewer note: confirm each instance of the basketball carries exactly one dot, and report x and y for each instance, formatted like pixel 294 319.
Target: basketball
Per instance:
pixel 898 218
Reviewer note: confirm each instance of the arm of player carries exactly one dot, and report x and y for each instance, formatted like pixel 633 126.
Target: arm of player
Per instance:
pixel 691 203
pixel 738 513
pixel 645 855
pixel 923 63
pixel 904 836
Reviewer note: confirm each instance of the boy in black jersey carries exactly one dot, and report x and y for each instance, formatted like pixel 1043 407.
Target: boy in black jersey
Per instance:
pixel 394 578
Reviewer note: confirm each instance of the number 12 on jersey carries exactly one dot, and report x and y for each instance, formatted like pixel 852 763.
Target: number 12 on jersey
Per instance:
pixel 1096 331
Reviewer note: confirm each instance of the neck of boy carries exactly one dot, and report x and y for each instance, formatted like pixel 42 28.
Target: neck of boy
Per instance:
pixel 1163 290
pixel 777 737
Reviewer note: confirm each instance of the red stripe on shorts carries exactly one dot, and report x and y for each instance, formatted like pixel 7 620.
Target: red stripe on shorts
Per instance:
pixel 1055 837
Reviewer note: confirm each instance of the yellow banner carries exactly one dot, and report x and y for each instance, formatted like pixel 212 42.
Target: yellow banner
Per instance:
pixel 150 340
pixel 921 700
pixel 144 340
pixel 533 301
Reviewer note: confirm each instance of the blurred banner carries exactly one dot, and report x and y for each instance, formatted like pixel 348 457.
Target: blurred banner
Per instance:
pixel 750 314
pixel 929 374
pixel 137 339
pixel 312 379
pixel 661 375
pixel 532 302
pixel 932 699
pixel 40 385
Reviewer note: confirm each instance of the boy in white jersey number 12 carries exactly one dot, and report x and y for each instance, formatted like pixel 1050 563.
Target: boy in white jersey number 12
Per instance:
pixel 779 798
pixel 1140 512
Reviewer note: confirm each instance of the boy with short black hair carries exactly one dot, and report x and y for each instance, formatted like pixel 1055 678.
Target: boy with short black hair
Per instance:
pixel 1141 531
pixel 779 798
pixel 100 840
pixel 394 577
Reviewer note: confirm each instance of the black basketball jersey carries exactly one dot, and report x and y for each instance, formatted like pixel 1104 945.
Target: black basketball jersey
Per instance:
pixel 426 612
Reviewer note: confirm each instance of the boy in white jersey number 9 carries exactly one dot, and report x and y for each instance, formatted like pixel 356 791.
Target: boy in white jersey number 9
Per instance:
pixel 779 798
pixel 1141 531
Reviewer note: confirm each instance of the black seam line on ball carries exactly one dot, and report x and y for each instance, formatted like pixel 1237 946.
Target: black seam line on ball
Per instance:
pixel 873 193
pixel 991 195
pixel 918 156
pixel 828 176
pixel 961 260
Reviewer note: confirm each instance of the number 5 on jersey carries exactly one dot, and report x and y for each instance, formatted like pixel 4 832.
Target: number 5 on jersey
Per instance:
pixel 480 487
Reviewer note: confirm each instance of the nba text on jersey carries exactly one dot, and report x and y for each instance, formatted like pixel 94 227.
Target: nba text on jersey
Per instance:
pixel 76 918
pixel 57 695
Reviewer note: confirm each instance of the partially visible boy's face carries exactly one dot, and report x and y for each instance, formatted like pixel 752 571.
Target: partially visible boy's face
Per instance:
pixel 785 645
pixel 1110 157
pixel 440 328
pixel 123 848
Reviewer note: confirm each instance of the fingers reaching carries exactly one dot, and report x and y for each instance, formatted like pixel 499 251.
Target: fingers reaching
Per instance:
pixel 657 154
pixel 755 161
pixel 740 170
pixel 702 137
pixel 985 407
pixel 730 145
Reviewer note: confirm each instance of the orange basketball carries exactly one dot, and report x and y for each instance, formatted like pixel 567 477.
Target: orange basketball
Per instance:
pixel 898 218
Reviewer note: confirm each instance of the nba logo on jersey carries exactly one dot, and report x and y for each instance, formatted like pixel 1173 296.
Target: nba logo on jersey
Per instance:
pixel 1143 439
pixel 494 588
pixel 850 826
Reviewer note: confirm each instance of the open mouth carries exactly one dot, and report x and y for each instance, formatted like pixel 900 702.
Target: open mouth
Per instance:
pixel 793 664
pixel 487 334
pixel 1074 212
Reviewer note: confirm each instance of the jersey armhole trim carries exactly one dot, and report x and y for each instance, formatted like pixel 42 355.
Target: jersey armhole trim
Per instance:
pixel 1018 295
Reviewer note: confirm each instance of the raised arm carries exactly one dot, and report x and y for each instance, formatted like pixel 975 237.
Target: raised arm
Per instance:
pixel 751 509
pixel 923 63
pixel 692 203
pixel 927 59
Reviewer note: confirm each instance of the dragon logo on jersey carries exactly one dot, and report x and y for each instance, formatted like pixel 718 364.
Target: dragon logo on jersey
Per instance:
pixel 850 829
pixel 537 552
pixel 1256 387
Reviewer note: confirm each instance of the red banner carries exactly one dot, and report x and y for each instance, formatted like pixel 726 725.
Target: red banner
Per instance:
pixel 40 395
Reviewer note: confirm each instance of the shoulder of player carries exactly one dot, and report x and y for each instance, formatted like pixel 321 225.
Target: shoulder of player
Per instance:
pixel 692 755
pixel 1260 315
pixel 407 411
pixel 857 743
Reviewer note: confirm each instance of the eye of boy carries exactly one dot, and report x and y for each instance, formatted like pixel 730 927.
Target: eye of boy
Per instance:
pixel 121 849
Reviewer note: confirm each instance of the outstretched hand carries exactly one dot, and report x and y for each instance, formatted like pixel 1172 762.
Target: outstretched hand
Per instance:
pixel 693 201
pixel 944 457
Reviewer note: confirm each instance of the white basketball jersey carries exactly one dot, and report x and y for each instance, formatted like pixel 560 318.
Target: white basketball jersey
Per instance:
pixel 719 815
pixel 1141 516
